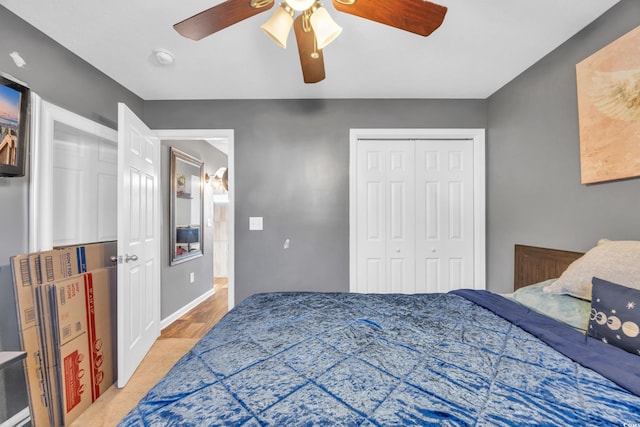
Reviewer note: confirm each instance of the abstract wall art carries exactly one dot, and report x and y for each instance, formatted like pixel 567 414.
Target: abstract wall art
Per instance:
pixel 608 84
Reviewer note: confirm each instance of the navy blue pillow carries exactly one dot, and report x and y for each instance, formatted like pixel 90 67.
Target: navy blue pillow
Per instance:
pixel 615 315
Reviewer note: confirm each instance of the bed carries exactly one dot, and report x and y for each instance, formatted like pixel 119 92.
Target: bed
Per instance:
pixel 461 358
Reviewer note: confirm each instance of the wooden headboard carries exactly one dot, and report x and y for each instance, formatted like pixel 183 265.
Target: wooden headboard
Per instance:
pixel 534 264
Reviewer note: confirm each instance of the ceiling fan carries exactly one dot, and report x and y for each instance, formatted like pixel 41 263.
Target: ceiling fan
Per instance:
pixel 313 27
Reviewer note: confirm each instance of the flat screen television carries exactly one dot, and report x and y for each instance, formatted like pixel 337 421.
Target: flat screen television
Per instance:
pixel 14 126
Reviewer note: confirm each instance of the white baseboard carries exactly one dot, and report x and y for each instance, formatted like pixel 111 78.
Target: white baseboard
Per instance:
pixel 178 314
pixel 19 419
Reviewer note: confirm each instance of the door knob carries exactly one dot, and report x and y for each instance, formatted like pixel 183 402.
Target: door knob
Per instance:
pixel 128 258
pixel 397 250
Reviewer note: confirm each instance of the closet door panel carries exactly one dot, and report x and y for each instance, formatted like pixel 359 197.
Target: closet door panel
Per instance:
pixel 444 224
pixel 371 228
pixel 400 238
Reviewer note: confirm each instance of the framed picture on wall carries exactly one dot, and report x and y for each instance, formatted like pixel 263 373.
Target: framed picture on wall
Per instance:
pixel 14 126
pixel 609 111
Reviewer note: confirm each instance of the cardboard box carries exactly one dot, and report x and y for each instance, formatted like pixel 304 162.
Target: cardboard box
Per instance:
pixel 85 328
pixel 27 322
pixel 35 276
pixel 48 360
pixel 52 267
pixel 70 260
pixel 29 340
pixel 56 265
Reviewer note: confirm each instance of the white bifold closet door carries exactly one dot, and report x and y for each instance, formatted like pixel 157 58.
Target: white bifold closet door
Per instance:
pixel 415 215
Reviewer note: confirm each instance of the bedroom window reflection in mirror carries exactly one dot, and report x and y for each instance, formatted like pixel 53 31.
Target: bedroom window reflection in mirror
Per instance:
pixel 187 189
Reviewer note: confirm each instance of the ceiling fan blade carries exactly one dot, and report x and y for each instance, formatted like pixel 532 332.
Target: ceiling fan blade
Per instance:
pixel 221 16
pixel 416 16
pixel 311 58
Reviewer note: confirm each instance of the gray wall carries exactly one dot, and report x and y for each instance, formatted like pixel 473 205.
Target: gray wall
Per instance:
pixel 292 157
pixel 64 79
pixel 292 168
pixel 176 290
pixel 533 159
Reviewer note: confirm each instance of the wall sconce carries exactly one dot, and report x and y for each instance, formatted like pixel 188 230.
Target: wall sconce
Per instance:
pixel 220 181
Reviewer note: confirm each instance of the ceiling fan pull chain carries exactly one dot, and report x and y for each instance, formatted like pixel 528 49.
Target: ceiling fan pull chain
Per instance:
pixel 306 27
pixel 315 54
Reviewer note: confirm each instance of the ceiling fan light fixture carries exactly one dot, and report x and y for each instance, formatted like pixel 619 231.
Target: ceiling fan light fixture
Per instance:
pixel 279 25
pixel 324 27
pixel 300 5
pixel 314 28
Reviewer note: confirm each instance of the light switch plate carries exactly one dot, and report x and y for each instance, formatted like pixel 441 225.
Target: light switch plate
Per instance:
pixel 255 223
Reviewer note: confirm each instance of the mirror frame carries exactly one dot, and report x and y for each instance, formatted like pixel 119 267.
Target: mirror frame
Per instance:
pixel 176 154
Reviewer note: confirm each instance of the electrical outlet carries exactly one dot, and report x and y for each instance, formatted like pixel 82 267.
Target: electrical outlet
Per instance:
pixel 192 277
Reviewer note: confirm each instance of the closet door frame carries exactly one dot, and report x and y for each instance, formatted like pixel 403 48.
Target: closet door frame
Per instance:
pixel 44 117
pixel 479 212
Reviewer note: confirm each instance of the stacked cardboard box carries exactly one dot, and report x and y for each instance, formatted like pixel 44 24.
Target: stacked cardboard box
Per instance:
pixel 27 318
pixel 66 307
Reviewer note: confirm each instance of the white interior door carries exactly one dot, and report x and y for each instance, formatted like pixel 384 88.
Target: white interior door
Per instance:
pixel 138 241
pixel 444 219
pixel 386 205
pixel 416 210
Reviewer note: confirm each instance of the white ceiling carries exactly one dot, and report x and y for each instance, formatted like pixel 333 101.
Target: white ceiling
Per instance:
pixel 482 45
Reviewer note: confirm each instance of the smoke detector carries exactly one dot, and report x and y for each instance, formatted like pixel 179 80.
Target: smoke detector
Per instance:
pixel 163 56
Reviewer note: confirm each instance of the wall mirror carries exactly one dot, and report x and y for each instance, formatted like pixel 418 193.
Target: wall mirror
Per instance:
pixel 187 189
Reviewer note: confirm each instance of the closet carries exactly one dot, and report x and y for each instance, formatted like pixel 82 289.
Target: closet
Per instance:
pixel 416 223
pixel 73 191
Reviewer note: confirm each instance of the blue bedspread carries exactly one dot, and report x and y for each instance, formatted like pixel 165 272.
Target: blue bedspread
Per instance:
pixel 354 359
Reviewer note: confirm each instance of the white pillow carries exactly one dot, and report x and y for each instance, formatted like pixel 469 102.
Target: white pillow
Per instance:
pixel 615 261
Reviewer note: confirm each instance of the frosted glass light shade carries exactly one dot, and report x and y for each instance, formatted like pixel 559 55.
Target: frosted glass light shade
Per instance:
pixel 279 26
pixel 324 27
pixel 300 5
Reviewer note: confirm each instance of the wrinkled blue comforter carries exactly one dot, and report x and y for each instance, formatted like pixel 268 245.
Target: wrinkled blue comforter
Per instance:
pixel 354 359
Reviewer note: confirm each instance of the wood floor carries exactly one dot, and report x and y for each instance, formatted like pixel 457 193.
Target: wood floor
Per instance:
pixel 198 321
pixel 175 341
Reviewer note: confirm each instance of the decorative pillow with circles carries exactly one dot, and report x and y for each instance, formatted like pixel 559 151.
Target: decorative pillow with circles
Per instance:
pixel 615 315
pixel 617 261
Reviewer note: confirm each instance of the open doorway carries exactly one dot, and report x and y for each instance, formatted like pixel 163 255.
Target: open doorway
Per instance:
pixel 218 184
pixel 219 214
